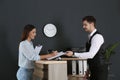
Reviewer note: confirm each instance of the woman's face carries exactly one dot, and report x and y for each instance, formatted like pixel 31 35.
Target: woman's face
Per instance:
pixel 32 34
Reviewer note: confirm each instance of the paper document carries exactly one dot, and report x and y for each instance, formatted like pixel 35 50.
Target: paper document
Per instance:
pixel 38 49
pixel 58 55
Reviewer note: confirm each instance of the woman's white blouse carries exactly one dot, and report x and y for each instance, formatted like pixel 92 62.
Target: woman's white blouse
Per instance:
pixel 27 55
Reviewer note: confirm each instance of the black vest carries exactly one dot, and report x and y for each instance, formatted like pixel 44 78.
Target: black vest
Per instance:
pixel 98 58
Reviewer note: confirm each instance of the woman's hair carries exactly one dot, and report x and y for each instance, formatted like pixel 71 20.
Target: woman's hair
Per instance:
pixel 26 31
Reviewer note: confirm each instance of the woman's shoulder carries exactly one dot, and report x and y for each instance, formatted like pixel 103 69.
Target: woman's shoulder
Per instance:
pixel 23 42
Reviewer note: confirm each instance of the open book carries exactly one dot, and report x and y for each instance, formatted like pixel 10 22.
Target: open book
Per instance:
pixel 58 55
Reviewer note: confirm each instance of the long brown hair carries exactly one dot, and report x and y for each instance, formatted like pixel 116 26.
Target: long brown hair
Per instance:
pixel 26 31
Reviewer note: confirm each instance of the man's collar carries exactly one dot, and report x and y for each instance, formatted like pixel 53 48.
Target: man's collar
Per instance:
pixel 92 32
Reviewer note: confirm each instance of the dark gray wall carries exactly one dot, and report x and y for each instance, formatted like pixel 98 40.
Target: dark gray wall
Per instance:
pixel 66 15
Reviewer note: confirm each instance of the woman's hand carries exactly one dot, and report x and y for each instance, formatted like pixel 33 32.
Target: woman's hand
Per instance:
pixel 69 53
pixel 54 53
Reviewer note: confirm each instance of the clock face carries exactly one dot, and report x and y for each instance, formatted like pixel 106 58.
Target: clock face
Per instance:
pixel 50 30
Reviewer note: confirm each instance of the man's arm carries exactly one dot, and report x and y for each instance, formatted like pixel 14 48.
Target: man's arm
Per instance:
pixel 96 43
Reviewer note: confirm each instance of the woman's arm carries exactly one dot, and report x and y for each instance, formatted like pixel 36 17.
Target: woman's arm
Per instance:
pixel 48 55
pixel 29 53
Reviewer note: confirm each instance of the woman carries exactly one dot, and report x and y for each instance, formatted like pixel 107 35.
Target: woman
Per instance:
pixel 27 54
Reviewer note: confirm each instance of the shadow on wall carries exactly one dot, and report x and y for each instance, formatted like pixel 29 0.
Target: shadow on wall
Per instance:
pixel 8 64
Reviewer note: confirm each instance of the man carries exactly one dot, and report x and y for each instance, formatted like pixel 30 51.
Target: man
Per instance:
pixel 93 50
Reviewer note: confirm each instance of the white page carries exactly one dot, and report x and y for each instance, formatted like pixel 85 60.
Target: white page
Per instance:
pixel 38 49
pixel 58 55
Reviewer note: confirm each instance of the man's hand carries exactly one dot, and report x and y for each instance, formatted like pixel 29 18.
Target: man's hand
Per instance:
pixel 69 53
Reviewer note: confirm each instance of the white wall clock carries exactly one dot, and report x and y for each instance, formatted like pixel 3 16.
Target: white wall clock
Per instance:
pixel 50 30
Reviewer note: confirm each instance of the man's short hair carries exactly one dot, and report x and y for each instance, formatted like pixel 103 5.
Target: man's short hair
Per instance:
pixel 89 19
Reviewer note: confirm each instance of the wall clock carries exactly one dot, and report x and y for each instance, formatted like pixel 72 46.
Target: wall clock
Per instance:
pixel 50 30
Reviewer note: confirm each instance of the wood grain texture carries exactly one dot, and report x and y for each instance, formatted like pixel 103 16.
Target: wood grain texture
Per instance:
pixel 51 70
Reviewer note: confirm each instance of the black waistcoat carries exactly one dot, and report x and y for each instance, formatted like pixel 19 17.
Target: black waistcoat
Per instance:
pixel 98 58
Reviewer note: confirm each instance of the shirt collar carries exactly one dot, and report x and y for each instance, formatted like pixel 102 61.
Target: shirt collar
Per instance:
pixel 28 42
pixel 92 33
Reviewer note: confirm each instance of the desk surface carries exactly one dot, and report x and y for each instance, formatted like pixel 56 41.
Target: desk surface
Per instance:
pixel 51 62
pixel 64 59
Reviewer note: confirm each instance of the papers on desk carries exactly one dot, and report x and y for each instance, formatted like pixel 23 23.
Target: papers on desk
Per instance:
pixel 58 55
pixel 38 49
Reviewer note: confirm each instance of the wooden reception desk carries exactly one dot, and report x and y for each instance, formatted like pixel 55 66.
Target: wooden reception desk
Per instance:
pixel 50 70
pixel 57 70
pixel 79 68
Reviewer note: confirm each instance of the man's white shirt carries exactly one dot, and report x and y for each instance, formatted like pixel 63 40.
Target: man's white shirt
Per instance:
pixel 96 43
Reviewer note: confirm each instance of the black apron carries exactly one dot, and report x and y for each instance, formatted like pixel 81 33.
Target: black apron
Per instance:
pixel 97 65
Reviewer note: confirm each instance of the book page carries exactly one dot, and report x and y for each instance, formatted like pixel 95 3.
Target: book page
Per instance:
pixel 58 55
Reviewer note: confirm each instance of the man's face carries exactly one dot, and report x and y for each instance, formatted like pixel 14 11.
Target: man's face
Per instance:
pixel 87 26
